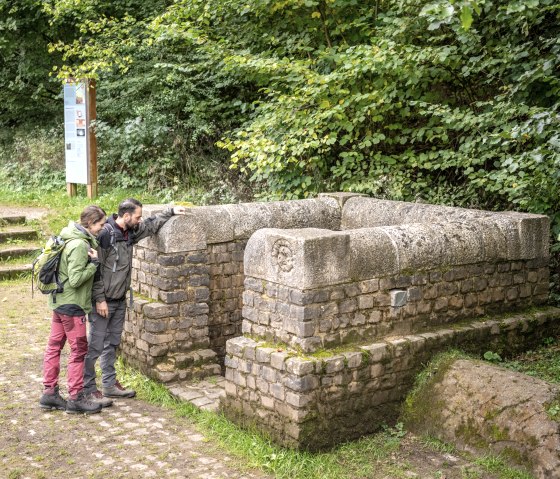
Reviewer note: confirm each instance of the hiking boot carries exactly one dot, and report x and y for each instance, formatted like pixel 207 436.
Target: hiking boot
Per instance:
pixel 97 397
pixel 51 399
pixel 117 391
pixel 81 405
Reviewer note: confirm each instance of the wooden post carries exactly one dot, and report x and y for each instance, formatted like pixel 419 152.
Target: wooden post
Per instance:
pixel 72 189
pixel 92 142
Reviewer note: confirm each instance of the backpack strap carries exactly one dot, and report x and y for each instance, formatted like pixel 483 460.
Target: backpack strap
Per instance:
pixel 112 242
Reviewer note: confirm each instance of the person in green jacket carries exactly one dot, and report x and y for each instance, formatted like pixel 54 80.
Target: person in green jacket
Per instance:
pixel 77 267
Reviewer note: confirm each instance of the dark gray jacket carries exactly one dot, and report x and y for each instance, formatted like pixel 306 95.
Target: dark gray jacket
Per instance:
pixel 115 255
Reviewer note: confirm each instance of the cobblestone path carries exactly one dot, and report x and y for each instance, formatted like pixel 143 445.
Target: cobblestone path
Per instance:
pixel 132 439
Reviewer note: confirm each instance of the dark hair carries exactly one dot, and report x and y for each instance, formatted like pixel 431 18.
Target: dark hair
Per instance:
pixel 91 214
pixel 128 206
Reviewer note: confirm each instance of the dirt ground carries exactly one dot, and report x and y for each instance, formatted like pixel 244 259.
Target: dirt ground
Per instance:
pixel 132 439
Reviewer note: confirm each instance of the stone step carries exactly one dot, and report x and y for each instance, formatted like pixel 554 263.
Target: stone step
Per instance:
pixel 192 366
pixel 21 233
pixel 203 394
pixel 12 220
pixel 18 252
pixel 14 271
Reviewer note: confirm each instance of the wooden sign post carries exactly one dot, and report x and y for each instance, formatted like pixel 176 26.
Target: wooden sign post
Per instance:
pixel 79 138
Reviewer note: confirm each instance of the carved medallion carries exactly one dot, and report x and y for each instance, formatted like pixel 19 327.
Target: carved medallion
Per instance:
pixel 282 255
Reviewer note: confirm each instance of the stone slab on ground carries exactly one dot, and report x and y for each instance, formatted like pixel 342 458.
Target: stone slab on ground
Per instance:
pixel 29 212
pixel 204 394
pixel 482 406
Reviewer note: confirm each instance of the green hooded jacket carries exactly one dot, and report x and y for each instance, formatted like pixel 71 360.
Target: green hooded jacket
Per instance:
pixel 75 271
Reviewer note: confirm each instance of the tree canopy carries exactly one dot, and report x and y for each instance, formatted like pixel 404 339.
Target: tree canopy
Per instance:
pixel 453 101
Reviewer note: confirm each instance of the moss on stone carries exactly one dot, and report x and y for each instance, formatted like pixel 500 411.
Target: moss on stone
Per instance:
pixel 420 404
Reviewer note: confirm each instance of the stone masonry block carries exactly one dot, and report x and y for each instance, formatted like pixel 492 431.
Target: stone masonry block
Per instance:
pixel 302 383
pixel 236 346
pixel 353 360
pixel 334 364
pixel 376 352
pixel 158 310
pixel 155 326
pixel 299 366
pixel 263 354
pixel 278 359
pixel 151 338
pixel 169 297
pixel 303 259
pixel 398 298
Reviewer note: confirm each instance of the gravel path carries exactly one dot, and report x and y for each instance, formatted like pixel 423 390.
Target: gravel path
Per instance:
pixel 132 439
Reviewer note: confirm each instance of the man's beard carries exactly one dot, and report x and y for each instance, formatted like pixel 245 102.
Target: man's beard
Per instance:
pixel 129 225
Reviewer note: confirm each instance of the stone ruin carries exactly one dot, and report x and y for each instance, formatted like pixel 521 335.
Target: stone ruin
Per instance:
pixel 320 312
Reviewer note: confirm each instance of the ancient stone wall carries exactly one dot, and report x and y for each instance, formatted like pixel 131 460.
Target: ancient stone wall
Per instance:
pixel 189 283
pixel 410 289
pixel 317 400
pixel 391 305
pixel 373 287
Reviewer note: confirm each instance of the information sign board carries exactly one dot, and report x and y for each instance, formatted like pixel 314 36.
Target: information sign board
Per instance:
pixel 76 128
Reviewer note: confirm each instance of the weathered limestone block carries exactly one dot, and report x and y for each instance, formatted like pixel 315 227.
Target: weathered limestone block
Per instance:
pixel 221 224
pixel 478 405
pixel 505 235
pixel 304 259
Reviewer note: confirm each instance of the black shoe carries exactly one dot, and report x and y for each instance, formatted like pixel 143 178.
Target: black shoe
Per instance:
pixel 81 405
pixel 52 400
pixel 97 398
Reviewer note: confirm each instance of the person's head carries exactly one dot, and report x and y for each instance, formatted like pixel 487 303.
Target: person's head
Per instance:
pixel 130 212
pixel 93 218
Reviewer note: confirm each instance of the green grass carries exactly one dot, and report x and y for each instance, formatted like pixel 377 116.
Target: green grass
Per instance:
pixel 63 208
pixel 497 465
pixel 543 363
pixel 351 460
pixel 372 456
pixel 18 260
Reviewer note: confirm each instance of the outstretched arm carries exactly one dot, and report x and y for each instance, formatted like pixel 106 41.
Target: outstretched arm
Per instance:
pixel 151 225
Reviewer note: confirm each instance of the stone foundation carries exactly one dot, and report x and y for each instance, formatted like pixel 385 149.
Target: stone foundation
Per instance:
pixel 321 276
pixel 312 402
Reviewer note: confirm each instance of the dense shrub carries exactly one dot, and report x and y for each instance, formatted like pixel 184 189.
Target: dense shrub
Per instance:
pixel 451 101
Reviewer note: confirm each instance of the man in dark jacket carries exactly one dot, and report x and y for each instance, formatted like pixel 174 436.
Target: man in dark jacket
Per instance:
pixel 116 240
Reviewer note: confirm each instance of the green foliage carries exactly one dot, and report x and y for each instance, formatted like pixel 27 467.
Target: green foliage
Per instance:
pixel 553 410
pixel 415 105
pixel 28 95
pixel 453 101
pixel 32 159
pixel 543 363
pixel 492 357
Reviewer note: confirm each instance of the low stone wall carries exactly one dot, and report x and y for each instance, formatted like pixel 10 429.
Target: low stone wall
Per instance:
pixel 312 402
pixel 392 305
pixel 318 275
pixel 189 283
pixel 406 287
pixel 315 288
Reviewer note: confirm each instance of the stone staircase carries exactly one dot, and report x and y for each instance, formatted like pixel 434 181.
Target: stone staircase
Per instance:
pixel 18 245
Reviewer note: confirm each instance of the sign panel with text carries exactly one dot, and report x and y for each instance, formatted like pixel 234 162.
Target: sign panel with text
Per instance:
pixel 76 127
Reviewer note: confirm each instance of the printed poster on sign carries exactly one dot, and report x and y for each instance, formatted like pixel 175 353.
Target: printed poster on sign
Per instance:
pixel 75 128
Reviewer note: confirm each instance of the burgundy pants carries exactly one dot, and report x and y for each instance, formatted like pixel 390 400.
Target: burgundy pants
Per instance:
pixel 65 327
